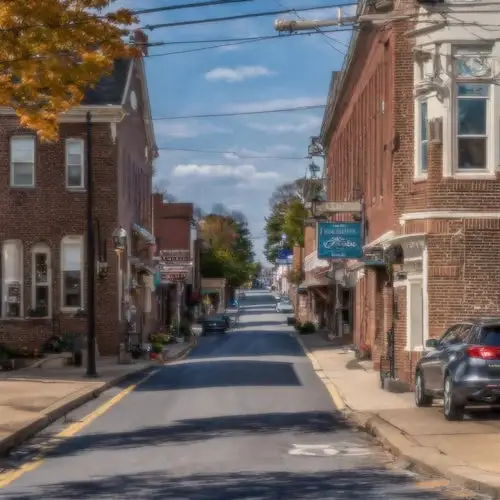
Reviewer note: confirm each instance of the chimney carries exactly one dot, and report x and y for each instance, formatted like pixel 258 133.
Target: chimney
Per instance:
pixel 140 39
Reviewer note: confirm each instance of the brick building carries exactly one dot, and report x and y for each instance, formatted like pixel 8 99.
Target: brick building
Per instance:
pixel 176 232
pixel 408 126
pixel 43 221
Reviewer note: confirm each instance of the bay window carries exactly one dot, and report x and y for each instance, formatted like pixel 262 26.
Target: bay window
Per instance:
pixel 12 279
pixel 423 139
pixel 72 273
pixel 473 109
pixel 22 161
pixel 41 280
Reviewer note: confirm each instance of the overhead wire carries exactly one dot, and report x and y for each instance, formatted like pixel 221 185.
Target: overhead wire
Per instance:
pixel 242 113
pixel 235 153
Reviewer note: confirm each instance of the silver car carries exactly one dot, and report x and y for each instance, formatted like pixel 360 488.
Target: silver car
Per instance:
pixel 284 306
pixel 462 367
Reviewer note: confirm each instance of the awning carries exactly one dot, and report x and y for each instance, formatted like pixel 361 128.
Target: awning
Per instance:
pixel 141 266
pixel 144 234
pixel 315 282
pixel 383 240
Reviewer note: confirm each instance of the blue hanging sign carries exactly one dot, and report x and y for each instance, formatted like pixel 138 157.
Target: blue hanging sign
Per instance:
pixel 339 240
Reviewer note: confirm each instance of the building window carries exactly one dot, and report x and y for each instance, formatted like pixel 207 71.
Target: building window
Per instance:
pixel 22 161
pixel 74 163
pixel 72 272
pixel 12 279
pixel 415 313
pixel 41 280
pixel 423 139
pixel 472 108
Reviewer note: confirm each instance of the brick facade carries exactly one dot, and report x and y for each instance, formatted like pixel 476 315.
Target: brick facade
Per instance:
pixel 49 211
pixel 447 227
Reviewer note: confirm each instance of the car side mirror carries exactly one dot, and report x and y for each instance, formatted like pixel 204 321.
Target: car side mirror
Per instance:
pixel 432 343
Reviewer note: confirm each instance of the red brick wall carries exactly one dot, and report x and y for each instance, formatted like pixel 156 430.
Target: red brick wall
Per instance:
pixel 172 224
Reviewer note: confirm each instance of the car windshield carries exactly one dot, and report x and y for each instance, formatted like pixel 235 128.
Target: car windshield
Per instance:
pixel 490 335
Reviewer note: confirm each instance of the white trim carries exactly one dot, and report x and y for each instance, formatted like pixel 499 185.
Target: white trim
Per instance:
pixel 81 142
pixel 100 114
pixel 12 140
pixel 418 173
pixel 72 240
pixel 126 90
pixel 444 214
pixel 384 238
pixel 3 284
pixel 44 249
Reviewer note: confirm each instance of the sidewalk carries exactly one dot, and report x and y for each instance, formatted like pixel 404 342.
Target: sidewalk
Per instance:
pixel 467 452
pixel 33 398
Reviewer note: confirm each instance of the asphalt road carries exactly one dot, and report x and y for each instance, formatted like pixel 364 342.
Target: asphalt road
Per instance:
pixel 243 418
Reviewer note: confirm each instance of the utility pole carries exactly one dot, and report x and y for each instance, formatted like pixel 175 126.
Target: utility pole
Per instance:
pixel 91 264
pixel 291 25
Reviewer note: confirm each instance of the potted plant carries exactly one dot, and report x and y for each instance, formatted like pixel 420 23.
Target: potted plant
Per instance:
pixel 157 351
pixel 177 332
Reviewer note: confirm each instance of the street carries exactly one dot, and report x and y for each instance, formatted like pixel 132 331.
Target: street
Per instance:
pixel 243 417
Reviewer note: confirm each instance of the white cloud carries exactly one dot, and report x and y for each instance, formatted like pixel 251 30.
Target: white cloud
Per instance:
pixel 309 124
pixel 237 74
pixel 247 107
pixel 246 171
pixel 186 129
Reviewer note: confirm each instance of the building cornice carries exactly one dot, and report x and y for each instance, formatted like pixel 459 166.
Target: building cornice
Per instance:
pixel 100 114
pixel 445 214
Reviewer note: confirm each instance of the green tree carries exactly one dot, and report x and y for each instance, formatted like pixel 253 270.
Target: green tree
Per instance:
pixel 287 217
pixel 230 254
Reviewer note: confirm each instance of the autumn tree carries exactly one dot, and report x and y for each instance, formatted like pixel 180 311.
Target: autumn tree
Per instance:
pixel 52 51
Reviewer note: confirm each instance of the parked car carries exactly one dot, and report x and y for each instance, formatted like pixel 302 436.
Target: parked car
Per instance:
pixel 277 296
pixel 462 367
pixel 217 323
pixel 284 306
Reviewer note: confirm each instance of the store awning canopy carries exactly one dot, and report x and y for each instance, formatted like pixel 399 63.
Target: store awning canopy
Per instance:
pixel 315 281
pixel 144 234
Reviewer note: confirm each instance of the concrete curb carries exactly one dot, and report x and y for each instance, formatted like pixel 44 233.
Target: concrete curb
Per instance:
pixel 184 353
pixel 72 402
pixel 425 459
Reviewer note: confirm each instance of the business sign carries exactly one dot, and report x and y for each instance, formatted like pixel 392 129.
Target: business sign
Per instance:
pixel 175 256
pixel 285 257
pixel 339 240
pixel 333 207
pixel 174 273
pixel 374 256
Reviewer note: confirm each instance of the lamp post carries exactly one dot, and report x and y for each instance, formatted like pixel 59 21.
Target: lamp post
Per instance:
pixel 91 260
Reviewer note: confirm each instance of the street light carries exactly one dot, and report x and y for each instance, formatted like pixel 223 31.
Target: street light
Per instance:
pixel 120 239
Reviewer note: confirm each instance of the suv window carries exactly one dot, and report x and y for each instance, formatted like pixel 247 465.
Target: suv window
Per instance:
pixel 452 335
pixel 490 335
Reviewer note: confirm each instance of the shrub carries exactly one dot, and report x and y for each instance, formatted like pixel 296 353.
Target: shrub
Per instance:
pixel 157 348
pixel 307 328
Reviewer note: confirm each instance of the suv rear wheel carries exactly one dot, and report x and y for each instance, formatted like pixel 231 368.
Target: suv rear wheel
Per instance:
pixel 452 410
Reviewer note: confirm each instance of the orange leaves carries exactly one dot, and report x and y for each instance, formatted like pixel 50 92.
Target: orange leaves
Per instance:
pixel 51 51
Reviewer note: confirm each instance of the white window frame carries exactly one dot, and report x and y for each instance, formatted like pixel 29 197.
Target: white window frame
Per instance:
pixel 81 143
pixel 412 278
pixel 420 174
pixel 73 241
pixel 489 171
pixel 4 286
pixel 12 141
pixel 41 249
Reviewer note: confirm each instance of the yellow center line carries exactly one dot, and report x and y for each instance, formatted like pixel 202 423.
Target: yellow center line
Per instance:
pixel 9 477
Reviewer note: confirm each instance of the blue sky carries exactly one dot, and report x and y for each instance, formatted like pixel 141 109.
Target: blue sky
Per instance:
pixel 277 73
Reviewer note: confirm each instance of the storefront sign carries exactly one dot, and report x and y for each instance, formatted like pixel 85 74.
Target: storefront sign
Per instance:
pixel 374 256
pixel 339 240
pixel 174 273
pixel 175 256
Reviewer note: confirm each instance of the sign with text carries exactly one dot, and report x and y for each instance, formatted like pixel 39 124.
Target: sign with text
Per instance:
pixel 332 207
pixel 339 240
pixel 175 256
pixel 174 273
pixel 374 256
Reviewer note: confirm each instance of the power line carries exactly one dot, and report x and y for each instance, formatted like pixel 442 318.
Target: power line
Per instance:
pixel 152 27
pixel 242 113
pixel 235 153
pixel 137 12
pixel 242 42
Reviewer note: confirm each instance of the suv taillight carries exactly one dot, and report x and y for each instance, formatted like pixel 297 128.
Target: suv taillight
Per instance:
pixel 484 352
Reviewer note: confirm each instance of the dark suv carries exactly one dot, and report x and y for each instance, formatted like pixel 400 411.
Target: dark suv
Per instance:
pixel 462 367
